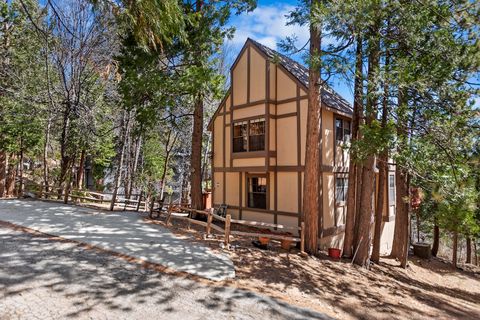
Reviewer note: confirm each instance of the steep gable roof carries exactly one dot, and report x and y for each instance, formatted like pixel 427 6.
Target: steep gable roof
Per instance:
pixel 329 97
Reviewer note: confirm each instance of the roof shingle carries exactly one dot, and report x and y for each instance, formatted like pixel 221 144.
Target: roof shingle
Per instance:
pixel 329 97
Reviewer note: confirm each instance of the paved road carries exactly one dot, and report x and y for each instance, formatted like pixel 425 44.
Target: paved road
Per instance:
pixel 46 279
pixel 122 232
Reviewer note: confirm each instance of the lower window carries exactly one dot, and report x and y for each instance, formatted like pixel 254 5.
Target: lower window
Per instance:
pixel 341 189
pixel 257 192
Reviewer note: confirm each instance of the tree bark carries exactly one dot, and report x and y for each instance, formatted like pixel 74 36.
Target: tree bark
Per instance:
pixel 20 172
pixel 436 239
pixel 469 250
pixel 11 174
pixel 401 232
pixel 365 212
pixel 81 169
pixel 312 188
pixel 196 156
pixel 382 172
pixel 118 173
pixel 3 173
pixel 353 167
pixel 382 177
pixel 45 155
pixel 455 249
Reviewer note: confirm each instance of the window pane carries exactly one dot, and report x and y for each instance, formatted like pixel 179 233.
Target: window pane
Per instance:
pixel 391 188
pixel 339 129
pixel 240 137
pixel 341 189
pixel 257 135
pixel 346 130
pixel 257 192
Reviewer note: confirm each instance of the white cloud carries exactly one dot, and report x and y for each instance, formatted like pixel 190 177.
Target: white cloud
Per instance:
pixel 268 25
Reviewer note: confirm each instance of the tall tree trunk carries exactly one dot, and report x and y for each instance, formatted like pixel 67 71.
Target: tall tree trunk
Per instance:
pixel 475 251
pixel 436 238
pixel 81 170
pixel 365 212
pixel 312 187
pixel 118 173
pixel 136 156
pixel 196 156
pixel 45 155
pixel 469 250
pixel 382 172
pixel 20 171
pixel 69 182
pixel 3 173
pixel 402 218
pixel 353 167
pixel 382 177
pixel 455 249
pixel 11 174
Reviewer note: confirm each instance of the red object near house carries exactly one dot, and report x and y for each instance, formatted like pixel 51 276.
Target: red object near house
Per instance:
pixel 334 253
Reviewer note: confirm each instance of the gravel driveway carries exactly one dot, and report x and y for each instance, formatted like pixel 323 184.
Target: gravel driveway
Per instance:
pixel 45 279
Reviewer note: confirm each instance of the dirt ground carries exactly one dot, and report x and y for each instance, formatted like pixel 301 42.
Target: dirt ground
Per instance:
pixel 425 290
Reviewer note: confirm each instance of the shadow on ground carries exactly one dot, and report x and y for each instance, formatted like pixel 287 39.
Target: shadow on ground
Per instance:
pixel 43 278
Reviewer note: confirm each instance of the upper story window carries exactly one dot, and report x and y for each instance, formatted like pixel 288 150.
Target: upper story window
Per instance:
pixel 391 188
pixel 240 136
pixel 342 130
pixel 249 135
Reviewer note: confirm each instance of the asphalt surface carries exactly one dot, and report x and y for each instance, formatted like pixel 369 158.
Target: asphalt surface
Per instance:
pixel 42 278
pixel 123 232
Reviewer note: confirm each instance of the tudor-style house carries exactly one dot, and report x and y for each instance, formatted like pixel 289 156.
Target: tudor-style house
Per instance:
pixel 259 132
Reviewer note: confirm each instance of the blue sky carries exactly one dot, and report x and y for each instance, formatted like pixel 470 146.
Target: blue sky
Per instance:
pixel 267 25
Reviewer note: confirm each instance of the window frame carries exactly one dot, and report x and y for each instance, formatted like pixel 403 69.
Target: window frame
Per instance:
pixel 346 130
pixel 248 178
pixel 392 200
pixel 343 177
pixel 248 136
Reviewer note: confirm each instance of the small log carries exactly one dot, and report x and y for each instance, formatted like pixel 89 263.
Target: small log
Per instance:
pixel 209 221
pixel 302 237
pixel 227 229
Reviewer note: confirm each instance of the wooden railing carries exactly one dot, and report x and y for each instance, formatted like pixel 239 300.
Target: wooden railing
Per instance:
pixel 228 221
pixel 86 195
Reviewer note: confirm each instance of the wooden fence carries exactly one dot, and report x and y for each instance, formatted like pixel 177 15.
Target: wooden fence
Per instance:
pixel 228 221
pixel 77 195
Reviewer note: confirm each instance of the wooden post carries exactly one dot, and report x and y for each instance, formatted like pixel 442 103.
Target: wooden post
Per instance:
pixel 139 200
pixel 227 229
pixel 169 213
pixel 209 221
pixel 302 237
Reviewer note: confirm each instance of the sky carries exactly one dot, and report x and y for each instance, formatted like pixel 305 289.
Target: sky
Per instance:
pixel 267 24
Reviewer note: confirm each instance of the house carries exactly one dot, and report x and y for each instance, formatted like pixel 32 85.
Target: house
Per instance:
pixel 258 138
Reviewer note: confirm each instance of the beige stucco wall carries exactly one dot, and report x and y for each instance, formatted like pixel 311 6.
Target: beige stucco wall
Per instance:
pixel 273 83
pixel 328 137
pixel 253 111
pixel 287 191
pixel 232 191
pixel 250 162
pixel 284 108
pixel 218 142
pixel 287 141
pixel 328 200
pixel 257 75
pixel 239 81
pixel 286 87
pixel 218 187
